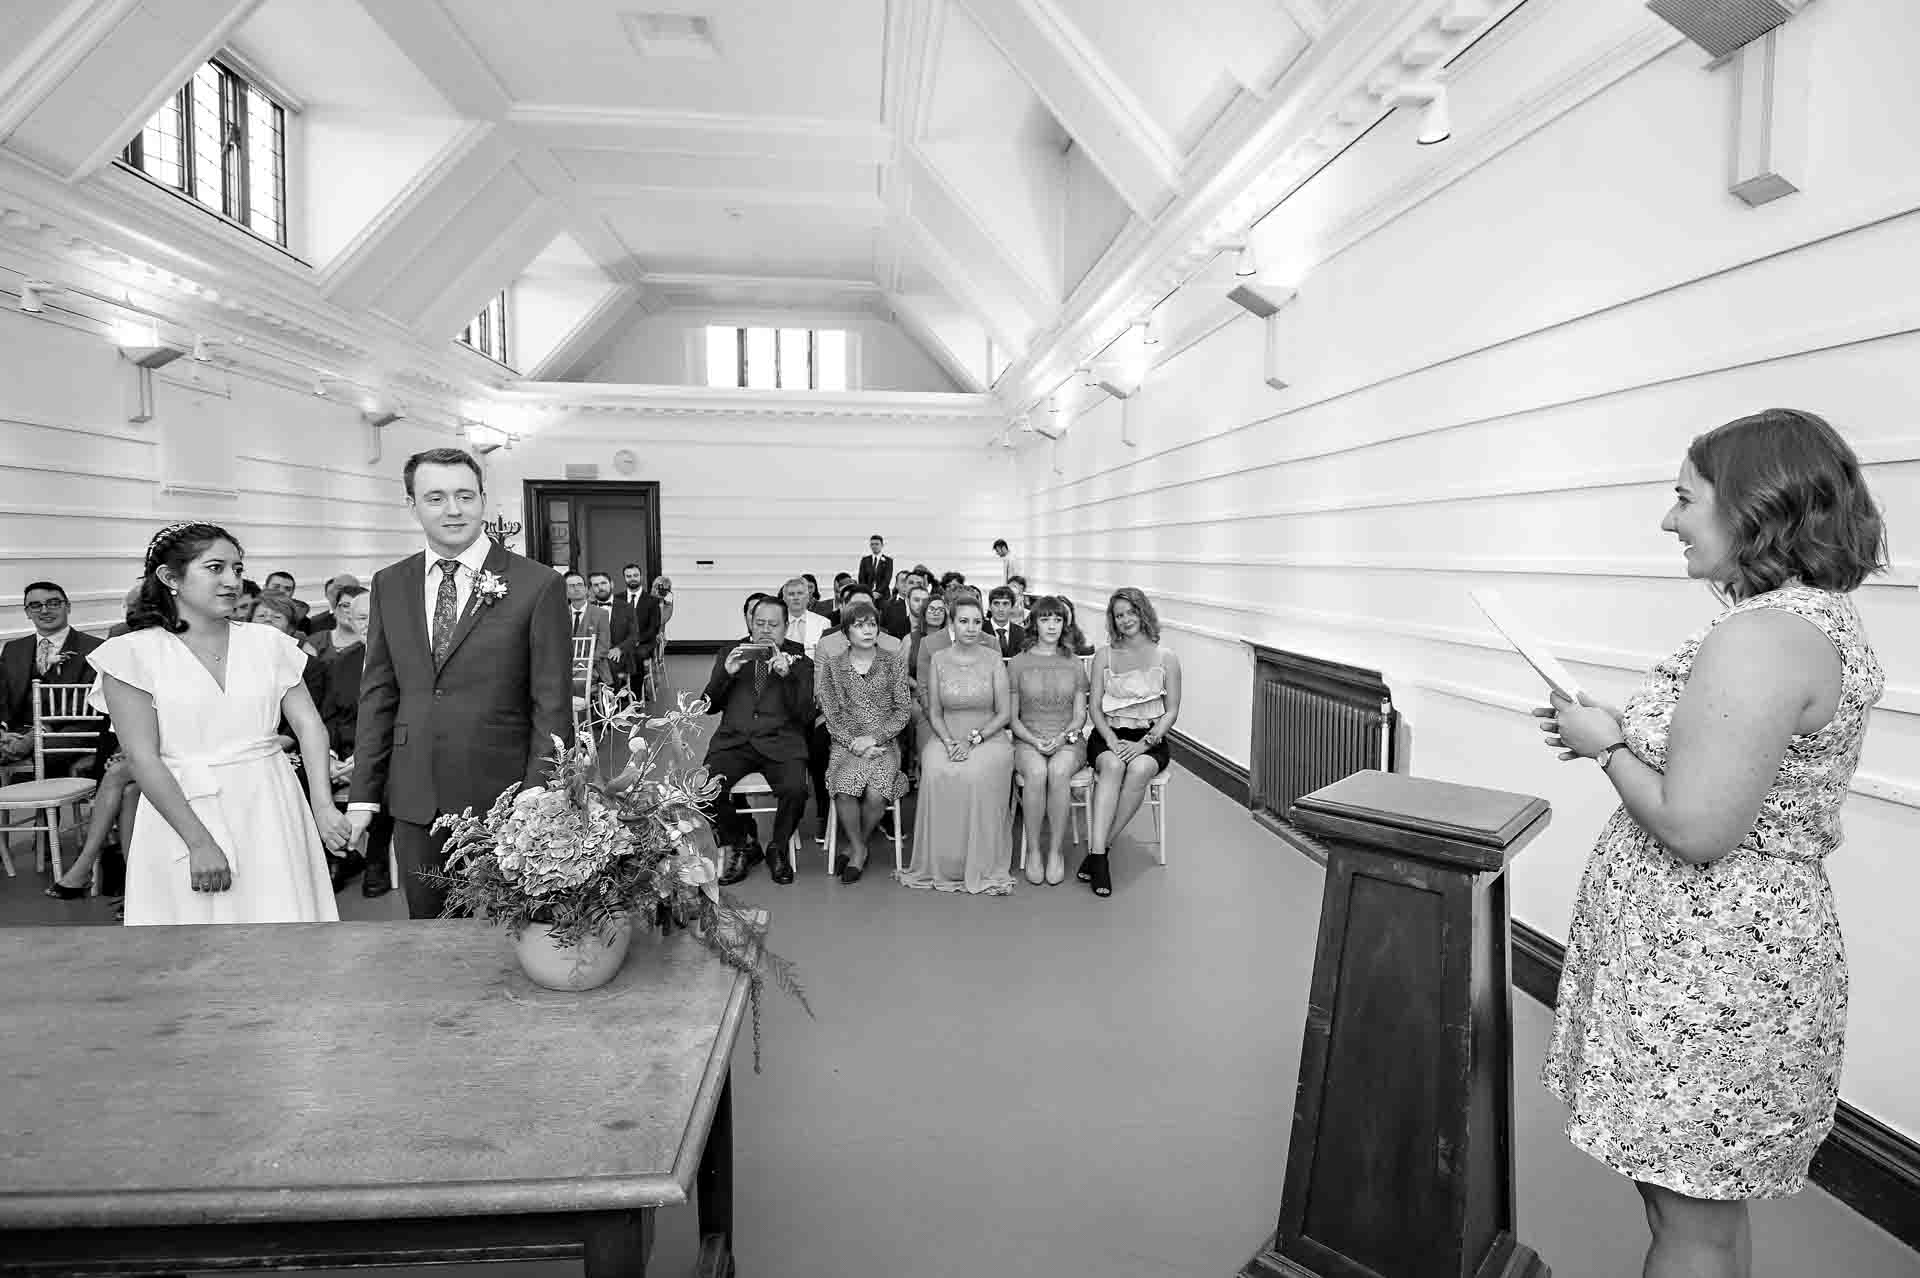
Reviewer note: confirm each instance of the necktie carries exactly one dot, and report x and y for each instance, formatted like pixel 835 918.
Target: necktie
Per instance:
pixel 444 610
pixel 46 655
pixel 576 620
pixel 759 677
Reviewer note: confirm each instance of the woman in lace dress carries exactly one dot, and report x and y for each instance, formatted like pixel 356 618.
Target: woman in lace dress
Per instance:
pixel 1702 1010
pixel 1049 687
pixel 1135 701
pixel 962 831
pixel 863 693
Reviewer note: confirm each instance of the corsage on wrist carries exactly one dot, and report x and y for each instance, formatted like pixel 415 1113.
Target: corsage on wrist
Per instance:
pixel 974 737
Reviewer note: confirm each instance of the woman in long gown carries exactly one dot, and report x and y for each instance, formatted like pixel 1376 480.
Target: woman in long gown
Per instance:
pixel 862 690
pixel 962 829
pixel 1701 1021
pixel 224 834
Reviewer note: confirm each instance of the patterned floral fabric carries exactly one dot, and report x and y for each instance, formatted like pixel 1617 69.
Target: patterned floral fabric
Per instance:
pixel 876 704
pixel 1702 1010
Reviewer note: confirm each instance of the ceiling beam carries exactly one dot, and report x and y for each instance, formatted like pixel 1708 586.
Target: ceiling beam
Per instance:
pixel 1087 98
pixel 702 133
pixel 433 41
pixel 909 314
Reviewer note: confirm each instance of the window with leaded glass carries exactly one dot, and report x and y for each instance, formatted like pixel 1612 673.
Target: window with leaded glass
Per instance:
pixel 221 141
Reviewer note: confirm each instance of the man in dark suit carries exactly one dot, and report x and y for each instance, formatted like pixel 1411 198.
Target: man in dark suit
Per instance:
pixel 466 677
pixel 282 584
pixel 54 653
pixel 1008 633
pixel 876 570
pixel 588 620
pixel 895 617
pixel 762 689
pixel 636 624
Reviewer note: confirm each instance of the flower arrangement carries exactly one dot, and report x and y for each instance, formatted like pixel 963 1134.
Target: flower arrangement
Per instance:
pixel 582 856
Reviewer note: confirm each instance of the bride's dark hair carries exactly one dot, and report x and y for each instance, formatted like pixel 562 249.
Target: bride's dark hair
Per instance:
pixel 174 546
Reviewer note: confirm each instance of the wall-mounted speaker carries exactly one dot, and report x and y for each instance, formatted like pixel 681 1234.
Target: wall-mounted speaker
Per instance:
pixel 1723 26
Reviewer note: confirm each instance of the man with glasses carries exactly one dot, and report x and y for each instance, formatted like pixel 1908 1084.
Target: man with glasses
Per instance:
pixel 54 653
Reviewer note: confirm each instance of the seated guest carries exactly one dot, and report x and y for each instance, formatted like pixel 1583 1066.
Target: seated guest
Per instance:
pixel 762 689
pixel 321 622
pixel 123 626
pixel 249 599
pixel 1135 701
pixel 822 607
pixel 805 628
pixel 663 591
pixel 934 634
pixel 1049 689
pixel 896 614
pixel 277 611
pixel 948 580
pixel 281 584
pixel 835 640
pixel 1008 635
pixel 1082 646
pixel 902 582
pixel 589 621
pixel 863 693
pixel 113 805
pixel 54 653
pixel 338 701
pixel 1023 603
pixel 962 832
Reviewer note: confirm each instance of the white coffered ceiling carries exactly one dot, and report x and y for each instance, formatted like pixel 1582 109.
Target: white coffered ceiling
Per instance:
pixel 1024 173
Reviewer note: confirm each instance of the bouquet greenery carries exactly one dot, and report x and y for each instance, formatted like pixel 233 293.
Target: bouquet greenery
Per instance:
pixel 581 856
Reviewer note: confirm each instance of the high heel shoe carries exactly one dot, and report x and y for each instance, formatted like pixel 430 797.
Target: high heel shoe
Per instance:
pixel 1036 869
pixel 1102 872
pixel 61 892
pixel 1085 872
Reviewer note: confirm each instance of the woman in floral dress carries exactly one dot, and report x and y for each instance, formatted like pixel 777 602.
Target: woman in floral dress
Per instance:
pixel 864 695
pixel 1702 1011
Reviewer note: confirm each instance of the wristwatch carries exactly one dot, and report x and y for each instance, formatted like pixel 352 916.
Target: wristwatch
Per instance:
pixel 1606 756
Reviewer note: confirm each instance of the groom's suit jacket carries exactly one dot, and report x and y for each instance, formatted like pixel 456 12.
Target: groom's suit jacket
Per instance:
pixel 433 739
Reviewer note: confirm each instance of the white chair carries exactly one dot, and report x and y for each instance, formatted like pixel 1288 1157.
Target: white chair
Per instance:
pixel 583 678
pixel 63 727
pixel 1081 809
pixel 754 786
pixel 899 840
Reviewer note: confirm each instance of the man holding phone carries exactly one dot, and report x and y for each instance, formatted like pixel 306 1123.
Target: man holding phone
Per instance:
pixel 762 689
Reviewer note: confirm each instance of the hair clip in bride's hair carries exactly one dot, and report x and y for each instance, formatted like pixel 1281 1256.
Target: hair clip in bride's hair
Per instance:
pixel 165 534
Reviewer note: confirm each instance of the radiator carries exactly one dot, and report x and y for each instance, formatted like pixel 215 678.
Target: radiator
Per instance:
pixel 1314 722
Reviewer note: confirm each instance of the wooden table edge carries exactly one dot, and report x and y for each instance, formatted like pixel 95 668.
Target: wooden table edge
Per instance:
pixel 686 1163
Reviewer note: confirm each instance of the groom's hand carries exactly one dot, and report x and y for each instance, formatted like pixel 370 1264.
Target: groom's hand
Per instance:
pixel 357 822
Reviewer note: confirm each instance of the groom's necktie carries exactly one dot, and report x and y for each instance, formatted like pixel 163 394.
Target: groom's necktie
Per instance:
pixel 445 611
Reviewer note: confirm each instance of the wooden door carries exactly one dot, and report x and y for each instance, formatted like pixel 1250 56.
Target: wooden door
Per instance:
pixel 594 527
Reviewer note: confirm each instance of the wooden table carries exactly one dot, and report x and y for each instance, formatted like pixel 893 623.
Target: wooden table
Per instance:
pixel 293 1095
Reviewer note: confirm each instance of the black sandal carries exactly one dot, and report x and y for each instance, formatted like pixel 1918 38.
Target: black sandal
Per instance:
pixel 61 892
pixel 1098 873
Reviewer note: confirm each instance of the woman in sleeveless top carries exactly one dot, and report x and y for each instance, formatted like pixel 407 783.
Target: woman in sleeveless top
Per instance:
pixel 224 834
pixel 962 832
pixel 1136 699
pixel 1049 687
pixel 1702 1010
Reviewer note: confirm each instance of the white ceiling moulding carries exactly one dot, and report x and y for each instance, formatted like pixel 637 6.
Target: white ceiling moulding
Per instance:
pixel 1366 50
pixel 701 401
pixel 702 132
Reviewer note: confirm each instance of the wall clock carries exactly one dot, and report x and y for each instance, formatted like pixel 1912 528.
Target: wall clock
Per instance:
pixel 626 461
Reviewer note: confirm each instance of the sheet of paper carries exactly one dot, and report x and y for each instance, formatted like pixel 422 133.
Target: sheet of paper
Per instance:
pixel 1528 644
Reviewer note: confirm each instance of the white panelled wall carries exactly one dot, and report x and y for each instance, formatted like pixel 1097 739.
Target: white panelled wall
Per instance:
pixel 1498 354
pixel 82 488
pixel 770 497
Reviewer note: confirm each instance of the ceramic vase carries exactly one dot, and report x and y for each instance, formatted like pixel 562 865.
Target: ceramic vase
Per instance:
pixel 584 966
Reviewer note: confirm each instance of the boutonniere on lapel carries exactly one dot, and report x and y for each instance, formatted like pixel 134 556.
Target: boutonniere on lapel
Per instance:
pixel 490 588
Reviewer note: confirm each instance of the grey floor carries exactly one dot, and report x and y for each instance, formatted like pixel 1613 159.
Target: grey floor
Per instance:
pixel 1051 1084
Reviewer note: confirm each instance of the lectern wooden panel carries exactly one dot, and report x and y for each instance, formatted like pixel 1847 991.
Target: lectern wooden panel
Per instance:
pixel 1401 1158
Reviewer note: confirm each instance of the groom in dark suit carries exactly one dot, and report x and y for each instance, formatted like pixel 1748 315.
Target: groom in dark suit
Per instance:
pixel 466 677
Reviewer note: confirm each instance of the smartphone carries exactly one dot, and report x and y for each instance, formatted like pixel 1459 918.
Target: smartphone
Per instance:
pixel 756 651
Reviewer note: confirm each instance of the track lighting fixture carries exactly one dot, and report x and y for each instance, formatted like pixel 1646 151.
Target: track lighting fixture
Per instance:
pixel 1436 121
pixel 1247 265
pixel 33 294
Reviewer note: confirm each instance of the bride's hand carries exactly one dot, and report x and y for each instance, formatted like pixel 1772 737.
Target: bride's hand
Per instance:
pixel 207 867
pixel 335 830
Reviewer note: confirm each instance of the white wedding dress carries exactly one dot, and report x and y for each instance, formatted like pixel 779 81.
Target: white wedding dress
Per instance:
pixel 222 748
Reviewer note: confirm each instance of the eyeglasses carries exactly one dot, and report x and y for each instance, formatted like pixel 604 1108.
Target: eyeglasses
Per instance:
pixel 46 605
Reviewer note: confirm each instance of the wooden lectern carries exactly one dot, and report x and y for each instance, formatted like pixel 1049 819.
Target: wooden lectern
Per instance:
pixel 1401 1159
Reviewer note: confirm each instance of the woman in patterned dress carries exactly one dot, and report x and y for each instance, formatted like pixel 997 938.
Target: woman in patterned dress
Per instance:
pixel 1702 1010
pixel 863 693
pixel 1049 687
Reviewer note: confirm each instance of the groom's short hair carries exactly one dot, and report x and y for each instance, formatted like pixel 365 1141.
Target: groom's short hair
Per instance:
pixel 442 457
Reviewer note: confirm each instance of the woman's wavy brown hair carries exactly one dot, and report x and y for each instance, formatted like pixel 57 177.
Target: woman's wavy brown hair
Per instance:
pixel 1794 502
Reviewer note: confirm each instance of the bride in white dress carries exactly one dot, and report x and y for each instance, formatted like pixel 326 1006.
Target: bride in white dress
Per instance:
pixel 223 833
